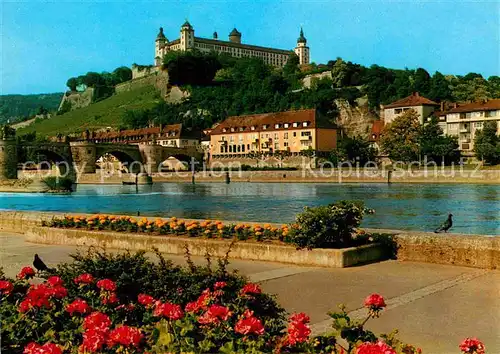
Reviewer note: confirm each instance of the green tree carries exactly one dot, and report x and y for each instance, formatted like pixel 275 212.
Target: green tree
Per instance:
pixel 487 143
pixel 470 88
pixel 402 136
pixel 494 86
pixel 439 88
pixel 422 81
pixel 436 146
pixel 356 149
pixel 72 83
pixel 122 74
pixel 340 73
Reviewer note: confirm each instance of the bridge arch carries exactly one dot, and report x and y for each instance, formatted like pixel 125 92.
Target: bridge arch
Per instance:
pixel 129 157
pixel 44 158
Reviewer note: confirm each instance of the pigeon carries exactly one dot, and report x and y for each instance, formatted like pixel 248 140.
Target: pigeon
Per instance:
pixel 446 225
pixel 39 265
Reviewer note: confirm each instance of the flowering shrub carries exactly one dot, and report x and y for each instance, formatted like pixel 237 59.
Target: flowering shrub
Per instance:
pixel 331 226
pixel 66 314
pixel 328 226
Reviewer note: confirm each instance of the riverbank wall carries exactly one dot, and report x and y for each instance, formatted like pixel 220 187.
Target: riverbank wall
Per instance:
pixel 478 251
pixel 313 176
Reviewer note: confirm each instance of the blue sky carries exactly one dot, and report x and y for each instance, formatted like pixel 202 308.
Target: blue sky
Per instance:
pixel 45 43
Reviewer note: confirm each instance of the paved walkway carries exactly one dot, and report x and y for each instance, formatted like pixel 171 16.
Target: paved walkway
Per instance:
pixel 433 306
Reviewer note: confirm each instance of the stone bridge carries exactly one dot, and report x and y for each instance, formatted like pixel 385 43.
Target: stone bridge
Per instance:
pixel 81 157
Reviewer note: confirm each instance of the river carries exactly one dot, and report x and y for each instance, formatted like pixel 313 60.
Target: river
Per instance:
pixel 476 207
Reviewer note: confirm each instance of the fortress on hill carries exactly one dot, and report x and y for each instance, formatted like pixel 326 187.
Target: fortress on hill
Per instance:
pixel 233 46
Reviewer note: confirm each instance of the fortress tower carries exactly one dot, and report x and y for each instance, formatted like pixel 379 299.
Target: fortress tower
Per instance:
pixel 187 36
pixel 160 42
pixel 302 50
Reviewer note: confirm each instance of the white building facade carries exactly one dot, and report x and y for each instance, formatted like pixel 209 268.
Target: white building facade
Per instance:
pixel 233 47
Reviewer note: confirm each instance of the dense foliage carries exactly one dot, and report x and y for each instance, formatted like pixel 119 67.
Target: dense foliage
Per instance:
pixel 21 107
pixel 330 226
pixel 355 150
pixel 222 86
pixel 103 83
pixel 487 143
pixel 127 303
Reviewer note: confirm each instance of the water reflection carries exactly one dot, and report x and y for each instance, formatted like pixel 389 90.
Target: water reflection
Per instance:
pixel 476 208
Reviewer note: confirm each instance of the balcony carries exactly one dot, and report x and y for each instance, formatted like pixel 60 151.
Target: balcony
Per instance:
pixel 306 138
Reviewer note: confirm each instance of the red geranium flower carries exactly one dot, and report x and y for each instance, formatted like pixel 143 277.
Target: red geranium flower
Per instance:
pixel 472 346
pixel 250 288
pixel 59 292
pixel 109 299
pixel 298 330
pixel 97 321
pixel 145 300
pixel 93 341
pixel 249 325
pixel 55 281
pixel 375 348
pixel 106 284
pixel 126 336
pixel 169 310
pixel 37 296
pixel 375 301
pixel 85 278
pixel 219 285
pixel 47 348
pixel 79 306
pixel 201 303
pixel 26 273
pixel 215 314
pixel 6 287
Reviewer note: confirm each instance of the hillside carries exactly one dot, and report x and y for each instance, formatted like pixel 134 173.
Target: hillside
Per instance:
pixel 105 113
pixel 15 107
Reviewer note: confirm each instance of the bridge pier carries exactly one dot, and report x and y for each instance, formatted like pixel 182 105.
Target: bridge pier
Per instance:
pixel 84 156
pixel 152 155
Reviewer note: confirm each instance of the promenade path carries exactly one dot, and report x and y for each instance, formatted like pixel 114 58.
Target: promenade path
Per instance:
pixel 433 306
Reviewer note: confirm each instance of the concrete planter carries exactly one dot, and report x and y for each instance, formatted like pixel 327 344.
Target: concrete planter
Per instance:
pixel 259 251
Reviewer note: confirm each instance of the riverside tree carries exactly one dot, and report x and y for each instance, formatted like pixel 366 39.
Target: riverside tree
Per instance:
pixel 401 138
pixel 487 143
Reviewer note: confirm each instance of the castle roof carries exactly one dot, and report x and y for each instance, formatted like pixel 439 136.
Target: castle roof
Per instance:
pixel 413 100
pixel 161 35
pixel 301 38
pixel 239 45
pixel 258 121
pixel 235 32
pixel 187 24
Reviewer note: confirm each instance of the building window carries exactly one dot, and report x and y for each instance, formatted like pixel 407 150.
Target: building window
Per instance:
pixel 285 136
pixel 264 126
pixel 286 125
pixel 285 144
pixel 224 130
pixel 295 125
pixel 305 124
pixel 398 110
pixel 252 127
pixel 276 126
pixel 232 129
pixel 242 148
pixel 276 136
pixel 305 134
pixel 294 134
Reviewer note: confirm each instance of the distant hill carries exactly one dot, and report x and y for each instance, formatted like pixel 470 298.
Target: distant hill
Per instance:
pixel 16 107
pixel 102 114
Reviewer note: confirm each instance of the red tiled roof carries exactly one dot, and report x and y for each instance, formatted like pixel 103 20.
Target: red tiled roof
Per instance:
pixel 377 127
pixel 270 119
pixel 489 105
pixel 176 129
pixel 413 100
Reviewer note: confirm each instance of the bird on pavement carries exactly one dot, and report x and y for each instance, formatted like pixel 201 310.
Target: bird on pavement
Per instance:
pixel 39 265
pixel 446 225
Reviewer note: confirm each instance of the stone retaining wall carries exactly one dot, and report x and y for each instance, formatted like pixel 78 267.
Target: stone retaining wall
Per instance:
pixel 258 251
pixel 477 251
